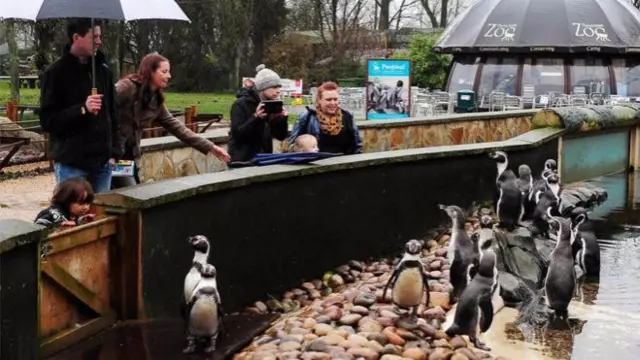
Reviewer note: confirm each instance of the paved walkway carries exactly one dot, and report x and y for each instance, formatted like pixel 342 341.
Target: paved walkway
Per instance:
pixel 23 198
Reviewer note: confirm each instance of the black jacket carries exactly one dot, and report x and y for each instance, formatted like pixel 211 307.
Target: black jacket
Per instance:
pixel 84 141
pixel 250 135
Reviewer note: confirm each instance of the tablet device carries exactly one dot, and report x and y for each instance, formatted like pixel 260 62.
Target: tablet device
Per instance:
pixel 272 106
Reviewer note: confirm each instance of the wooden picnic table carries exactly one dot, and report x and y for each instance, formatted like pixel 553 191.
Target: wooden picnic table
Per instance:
pixel 12 143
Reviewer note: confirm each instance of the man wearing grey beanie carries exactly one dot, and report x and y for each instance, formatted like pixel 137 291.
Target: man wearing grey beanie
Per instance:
pixel 252 129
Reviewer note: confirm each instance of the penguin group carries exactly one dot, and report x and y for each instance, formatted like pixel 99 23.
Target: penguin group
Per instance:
pixel 540 201
pixel 201 303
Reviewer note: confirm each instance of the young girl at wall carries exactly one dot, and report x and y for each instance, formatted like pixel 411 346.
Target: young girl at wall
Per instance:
pixel 69 205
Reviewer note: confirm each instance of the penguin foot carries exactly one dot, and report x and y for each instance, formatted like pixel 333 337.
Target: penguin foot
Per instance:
pixel 479 344
pixel 191 347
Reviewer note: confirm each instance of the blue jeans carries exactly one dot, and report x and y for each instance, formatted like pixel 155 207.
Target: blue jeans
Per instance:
pixel 99 178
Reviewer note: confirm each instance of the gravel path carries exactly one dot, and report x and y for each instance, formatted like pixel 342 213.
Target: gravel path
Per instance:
pixel 23 198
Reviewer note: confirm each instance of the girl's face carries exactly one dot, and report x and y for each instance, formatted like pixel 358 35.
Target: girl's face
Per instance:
pixel 78 209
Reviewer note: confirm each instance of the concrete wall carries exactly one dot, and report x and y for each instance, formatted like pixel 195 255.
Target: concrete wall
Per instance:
pixel 167 157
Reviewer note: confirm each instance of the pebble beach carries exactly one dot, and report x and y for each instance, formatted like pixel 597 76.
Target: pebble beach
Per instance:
pixel 345 315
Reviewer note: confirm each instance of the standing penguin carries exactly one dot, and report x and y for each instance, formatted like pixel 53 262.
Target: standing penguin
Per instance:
pixel 586 250
pixel 525 183
pixel 476 298
pixel 204 315
pixel 560 282
pixel 462 251
pixel 508 203
pixel 409 281
pixel 200 245
pixel 545 199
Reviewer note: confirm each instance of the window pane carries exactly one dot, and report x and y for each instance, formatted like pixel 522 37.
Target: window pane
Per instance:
pixel 590 74
pixel 547 75
pixel 498 76
pixel 627 73
pixel 463 75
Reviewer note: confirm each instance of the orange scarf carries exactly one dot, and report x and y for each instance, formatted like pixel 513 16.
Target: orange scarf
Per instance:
pixel 330 124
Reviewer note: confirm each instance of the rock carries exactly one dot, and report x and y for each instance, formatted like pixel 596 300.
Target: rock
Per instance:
pixel 459 356
pixel 391 357
pixel 263 356
pixel 360 310
pixel 370 326
pixel 389 314
pixel 415 354
pixel 436 274
pixel 309 323
pixel 308 286
pixel 406 334
pixel 458 342
pixel 581 194
pixel 318 345
pixel 374 345
pixel 348 330
pixel 333 312
pixel 350 319
pixel 513 289
pixel 469 353
pixel 289 346
pixel 317 283
pixel 332 339
pixel 356 265
pixel 314 355
pixel 333 299
pixel 379 338
pixel 366 353
pixel 261 306
pixel 442 343
pixel 440 354
pixel 435 265
pixel 385 321
pixel 323 319
pixel 407 324
pixel 435 313
pixel 392 337
pixel 335 281
pixel 322 329
pixel 440 299
pixel 391 349
pixel 358 339
pixel 516 253
pixel 365 299
pixel 442 252
pixel 310 337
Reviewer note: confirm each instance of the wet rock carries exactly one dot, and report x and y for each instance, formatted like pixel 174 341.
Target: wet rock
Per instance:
pixel 370 326
pixel 435 313
pixel 365 299
pixel 356 265
pixel 442 252
pixel 318 345
pixel 435 265
pixel 339 332
pixel 392 337
pixel 310 337
pixel 389 314
pixel 333 312
pixel 322 329
pixel 323 319
pixel 407 324
pixel 391 349
pixel 391 357
pixel 366 353
pixel 516 253
pixel 360 310
pixel 314 355
pixel 442 343
pixel 378 337
pixel 440 354
pixel 436 274
pixel 347 329
pixel 440 299
pixel 406 334
pixel 308 323
pixel 415 354
pixel 332 339
pixel 513 290
pixel 469 354
pixel 289 346
pixel 385 321
pixel 358 339
pixel 374 345
pixel 458 342
pixel 350 319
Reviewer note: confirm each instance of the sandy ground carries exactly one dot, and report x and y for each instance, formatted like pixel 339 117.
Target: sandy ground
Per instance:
pixel 23 198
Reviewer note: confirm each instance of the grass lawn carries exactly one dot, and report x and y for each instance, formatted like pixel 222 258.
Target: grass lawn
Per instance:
pixel 219 103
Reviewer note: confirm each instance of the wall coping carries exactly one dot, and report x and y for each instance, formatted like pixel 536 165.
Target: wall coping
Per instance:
pixel 14 233
pixel 171 190
pixel 222 135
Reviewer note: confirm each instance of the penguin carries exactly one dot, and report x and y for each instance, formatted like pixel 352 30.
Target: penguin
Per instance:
pixel 204 316
pixel 525 183
pixel 200 245
pixel 560 282
pixel 462 251
pixel 550 167
pixel 586 250
pixel 409 281
pixel 545 200
pixel 508 203
pixel 475 306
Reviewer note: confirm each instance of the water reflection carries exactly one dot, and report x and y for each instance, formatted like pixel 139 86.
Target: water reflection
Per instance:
pixel 605 320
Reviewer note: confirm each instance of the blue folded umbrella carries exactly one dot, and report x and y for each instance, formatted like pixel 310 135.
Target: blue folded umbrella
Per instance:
pixel 284 158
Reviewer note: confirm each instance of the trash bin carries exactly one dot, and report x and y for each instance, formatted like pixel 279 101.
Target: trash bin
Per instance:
pixel 466 101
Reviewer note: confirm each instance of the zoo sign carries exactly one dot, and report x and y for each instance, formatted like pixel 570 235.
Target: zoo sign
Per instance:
pixel 591 30
pixel 504 32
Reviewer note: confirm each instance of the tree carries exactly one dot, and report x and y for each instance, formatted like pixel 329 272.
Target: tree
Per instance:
pixel 14 60
pixel 429 69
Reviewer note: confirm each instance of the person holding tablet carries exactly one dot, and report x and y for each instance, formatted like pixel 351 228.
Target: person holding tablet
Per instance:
pixel 257 117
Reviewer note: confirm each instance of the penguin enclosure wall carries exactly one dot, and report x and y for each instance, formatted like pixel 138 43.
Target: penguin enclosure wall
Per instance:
pixel 270 227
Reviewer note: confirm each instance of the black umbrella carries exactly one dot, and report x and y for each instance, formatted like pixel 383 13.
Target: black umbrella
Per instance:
pixel 544 26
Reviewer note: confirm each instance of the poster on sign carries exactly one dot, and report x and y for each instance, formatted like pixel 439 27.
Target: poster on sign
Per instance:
pixel 289 86
pixel 388 88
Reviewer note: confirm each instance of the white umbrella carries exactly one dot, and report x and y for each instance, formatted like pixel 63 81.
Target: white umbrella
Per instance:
pixel 124 10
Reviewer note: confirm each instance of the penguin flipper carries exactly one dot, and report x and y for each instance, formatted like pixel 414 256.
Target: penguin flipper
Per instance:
pixel 486 308
pixel 391 282
pixel 453 330
pixel 425 281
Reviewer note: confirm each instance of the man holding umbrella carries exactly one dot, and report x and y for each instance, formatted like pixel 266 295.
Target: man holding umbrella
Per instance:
pixel 83 128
